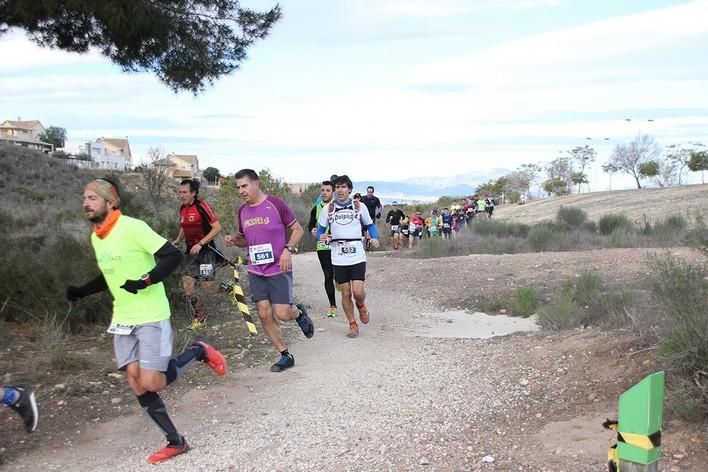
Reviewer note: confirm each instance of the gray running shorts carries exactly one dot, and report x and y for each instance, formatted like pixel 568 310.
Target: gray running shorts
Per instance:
pixel 277 289
pixel 149 343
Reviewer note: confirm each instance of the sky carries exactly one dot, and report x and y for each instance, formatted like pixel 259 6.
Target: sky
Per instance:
pixel 399 89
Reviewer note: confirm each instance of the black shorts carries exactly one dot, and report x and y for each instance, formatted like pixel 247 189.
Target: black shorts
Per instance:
pixel 344 274
pixel 190 264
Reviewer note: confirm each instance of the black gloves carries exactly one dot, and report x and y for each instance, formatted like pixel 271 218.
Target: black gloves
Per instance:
pixel 73 293
pixel 133 286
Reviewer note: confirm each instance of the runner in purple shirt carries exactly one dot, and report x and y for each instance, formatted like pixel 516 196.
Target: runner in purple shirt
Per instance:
pixel 270 231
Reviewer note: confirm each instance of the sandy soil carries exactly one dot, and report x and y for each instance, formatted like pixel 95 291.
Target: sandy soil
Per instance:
pixel 400 397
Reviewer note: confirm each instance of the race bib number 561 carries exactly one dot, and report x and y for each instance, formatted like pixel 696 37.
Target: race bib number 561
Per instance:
pixel 261 254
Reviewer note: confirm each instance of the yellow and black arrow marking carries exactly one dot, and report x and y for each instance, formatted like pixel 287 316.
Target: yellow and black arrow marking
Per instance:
pixel 236 292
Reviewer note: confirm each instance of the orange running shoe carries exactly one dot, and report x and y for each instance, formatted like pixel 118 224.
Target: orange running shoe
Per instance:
pixel 353 330
pixel 213 359
pixel 168 452
pixel 363 313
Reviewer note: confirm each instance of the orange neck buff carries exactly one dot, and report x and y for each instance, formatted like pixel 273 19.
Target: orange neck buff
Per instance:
pixel 102 230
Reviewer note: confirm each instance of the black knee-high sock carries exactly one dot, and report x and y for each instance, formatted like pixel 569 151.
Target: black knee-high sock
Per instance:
pixel 154 407
pixel 179 365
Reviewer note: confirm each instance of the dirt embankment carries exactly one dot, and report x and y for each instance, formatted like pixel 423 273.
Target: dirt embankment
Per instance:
pixel 655 203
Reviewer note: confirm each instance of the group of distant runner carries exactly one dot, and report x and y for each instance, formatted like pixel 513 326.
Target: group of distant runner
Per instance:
pixel 445 223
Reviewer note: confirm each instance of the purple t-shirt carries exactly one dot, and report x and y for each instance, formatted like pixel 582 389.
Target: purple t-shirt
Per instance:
pixel 265 229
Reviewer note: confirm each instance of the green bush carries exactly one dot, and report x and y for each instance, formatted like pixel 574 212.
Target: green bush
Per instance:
pixel 563 314
pixel 493 305
pixel 611 222
pixel 542 235
pixel 623 236
pixel 572 217
pixel 500 229
pixel 590 227
pixel 431 247
pixel 686 404
pixel 681 289
pixel 525 301
pixel 583 290
pixel 670 231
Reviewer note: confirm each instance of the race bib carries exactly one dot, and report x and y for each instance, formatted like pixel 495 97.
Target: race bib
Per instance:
pixel 120 329
pixel 446 225
pixel 261 254
pixel 347 248
pixel 394 227
pixel 206 271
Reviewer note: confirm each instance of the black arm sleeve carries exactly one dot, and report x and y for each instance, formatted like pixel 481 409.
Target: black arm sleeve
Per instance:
pixel 94 286
pixel 168 258
pixel 312 223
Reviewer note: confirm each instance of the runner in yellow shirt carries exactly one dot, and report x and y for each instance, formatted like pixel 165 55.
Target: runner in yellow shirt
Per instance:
pixel 126 249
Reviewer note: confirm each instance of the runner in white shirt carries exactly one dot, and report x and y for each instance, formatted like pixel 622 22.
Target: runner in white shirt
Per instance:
pixel 345 219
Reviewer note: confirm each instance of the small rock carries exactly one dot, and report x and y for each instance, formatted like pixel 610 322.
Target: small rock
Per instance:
pixel 115 375
pixel 488 459
pixel 60 387
pixel 523 382
pixel 116 400
pixel 539 415
pixel 502 311
pixel 679 456
pixel 424 461
pixel 592 396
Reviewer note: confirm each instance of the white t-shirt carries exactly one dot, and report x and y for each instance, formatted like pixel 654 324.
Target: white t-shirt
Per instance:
pixel 345 226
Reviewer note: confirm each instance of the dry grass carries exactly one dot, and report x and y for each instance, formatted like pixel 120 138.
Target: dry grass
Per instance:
pixel 661 203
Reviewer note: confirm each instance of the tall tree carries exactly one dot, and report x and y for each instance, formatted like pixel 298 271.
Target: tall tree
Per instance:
pixel 699 163
pixel 559 171
pixel 679 156
pixel 211 174
pixel 582 157
pixel 155 172
pixel 187 44
pixel 54 135
pixel 609 169
pixel 628 158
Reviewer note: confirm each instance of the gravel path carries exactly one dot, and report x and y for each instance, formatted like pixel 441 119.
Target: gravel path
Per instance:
pixel 389 400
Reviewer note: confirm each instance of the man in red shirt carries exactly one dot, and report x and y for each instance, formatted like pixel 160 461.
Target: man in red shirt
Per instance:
pixel 198 228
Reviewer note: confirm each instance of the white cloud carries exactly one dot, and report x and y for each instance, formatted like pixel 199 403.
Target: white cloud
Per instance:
pixel 20 54
pixel 444 8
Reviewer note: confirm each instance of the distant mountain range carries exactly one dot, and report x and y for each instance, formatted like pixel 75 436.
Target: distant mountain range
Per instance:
pixel 430 188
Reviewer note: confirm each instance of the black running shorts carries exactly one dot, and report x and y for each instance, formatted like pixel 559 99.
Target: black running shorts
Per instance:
pixel 344 274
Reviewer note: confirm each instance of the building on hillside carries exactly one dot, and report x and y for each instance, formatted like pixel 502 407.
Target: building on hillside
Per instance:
pixel 24 133
pixel 180 166
pixel 117 147
pixel 104 153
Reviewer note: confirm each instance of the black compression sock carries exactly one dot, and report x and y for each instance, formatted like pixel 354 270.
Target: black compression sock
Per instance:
pixel 154 407
pixel 179 365
pixel 285 353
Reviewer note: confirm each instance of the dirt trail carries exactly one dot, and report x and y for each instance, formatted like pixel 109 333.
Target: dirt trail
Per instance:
pixel 389 400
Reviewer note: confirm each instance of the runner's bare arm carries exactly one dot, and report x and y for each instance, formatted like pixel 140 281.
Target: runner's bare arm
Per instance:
pixel 179 238
pixel 235 240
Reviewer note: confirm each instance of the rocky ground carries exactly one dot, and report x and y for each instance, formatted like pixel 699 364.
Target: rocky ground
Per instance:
pixel 396 398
